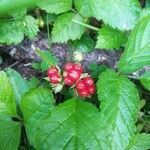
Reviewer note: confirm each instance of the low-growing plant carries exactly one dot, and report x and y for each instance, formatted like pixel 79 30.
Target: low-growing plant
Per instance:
pixel 70 108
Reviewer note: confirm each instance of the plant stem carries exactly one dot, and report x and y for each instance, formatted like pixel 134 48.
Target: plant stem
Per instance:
pixel 86 25
pixel 48 32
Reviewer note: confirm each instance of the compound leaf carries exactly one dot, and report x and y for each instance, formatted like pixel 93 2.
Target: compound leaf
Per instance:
pixel 137 52
pixel 19 85
pixel 145 80
pixel 11 32
pixel 110 38
pixel 84 7
pixel 55 6
pixel 65 29
pixel 122 14
pixel 31 27
pixel 35 105
pixel 9 133
pixel 67 126
pixel 120 105
pixel 7 99
pixel 139 142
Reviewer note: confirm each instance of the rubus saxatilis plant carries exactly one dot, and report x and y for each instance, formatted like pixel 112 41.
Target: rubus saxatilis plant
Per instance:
pixel 30 117
pixel 72 75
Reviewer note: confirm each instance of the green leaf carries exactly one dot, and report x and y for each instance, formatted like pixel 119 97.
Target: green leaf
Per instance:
pixel 48 59
pixel 1 60
pixel 9 133
pixel 33 82
pixel 139 142
pixel 16 25
pixel 122 14
pixel 7 99
pixel 11 32
pixel 9 5
pixel 110 38
pixel 96 70
pixel 35 105
pixel 137 52
pixel 144 13
pixel 65 29
pixel 120 105
pixel 67 125
pixel 147 5
pixel 145 80
pixel 36 66
pixel 19 85
pixel 18 13
pixel 56 6
pixel 84 7
pixel 84 45
pixel 31 27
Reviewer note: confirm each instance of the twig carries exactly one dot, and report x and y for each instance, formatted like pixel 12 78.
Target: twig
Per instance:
pixel 14 64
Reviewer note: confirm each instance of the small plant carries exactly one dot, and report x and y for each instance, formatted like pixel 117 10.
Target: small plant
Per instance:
pixel 98 109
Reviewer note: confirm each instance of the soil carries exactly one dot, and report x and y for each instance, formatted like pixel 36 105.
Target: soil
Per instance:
pixel 22 55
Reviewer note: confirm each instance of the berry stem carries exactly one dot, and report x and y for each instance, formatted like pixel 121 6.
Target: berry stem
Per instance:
pixel 86 25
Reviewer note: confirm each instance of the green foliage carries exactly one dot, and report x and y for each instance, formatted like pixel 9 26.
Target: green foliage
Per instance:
pixel 33 82
pixel 75 123
pixel 139 142
pixel 122 14
pixel 84 45
pixel 120 106
pixel 9 5
pixel 31 27
pixel 144 13
pixel 1 60
pixel 48 59
pixel 16 25
pixel 110 38
pixel 65 29
pixel 66 126
pixel 9 130
pixel 84 7
pixel 35 105
pixel 137 53
pixel 19 85
pixel 55 6
pixel 145 80
pixel 9 133
pixel 96 70
pixel 7 99
pixel 11 32
pixel 147 5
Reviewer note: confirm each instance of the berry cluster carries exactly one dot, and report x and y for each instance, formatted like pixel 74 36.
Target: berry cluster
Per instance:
pixel 72 73
pixel 85 87
pixel 54 75
pixel 73 76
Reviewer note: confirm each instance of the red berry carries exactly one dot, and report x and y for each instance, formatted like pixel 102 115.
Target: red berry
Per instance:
pixel 83 93
pixel 89 81
pixel 92 89
pixel 68 66
pixel 74 75
pixel 80 85
pixel 78 67
pixel 51 71
pixel 54 79
pixel 68 81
